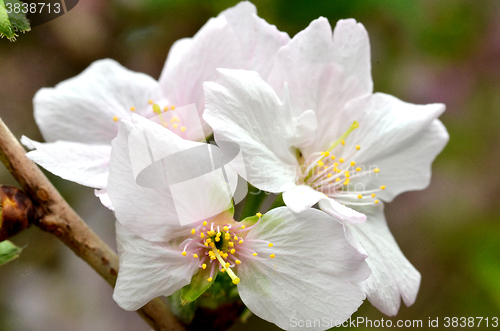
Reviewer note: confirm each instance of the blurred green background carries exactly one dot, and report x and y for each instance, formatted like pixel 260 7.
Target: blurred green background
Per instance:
pixel 422 52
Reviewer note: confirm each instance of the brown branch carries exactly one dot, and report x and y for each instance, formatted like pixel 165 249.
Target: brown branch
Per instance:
pixel 62 221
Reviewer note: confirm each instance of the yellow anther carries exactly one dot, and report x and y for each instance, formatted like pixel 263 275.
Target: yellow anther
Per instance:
pixel 240 242
pixel 227 265
pixel 183 128
pixel 206 244
pixel 376 170
pixel 202 235
pixel 210 279
pixel 172 120
pixel 346 182
pixel 270 245
pixel 329 175
pixel 243 227
pixel 254 254
pixel 209 240
pixel 225 228
pixel 341 160
pixel 360 196
pixel 373 195
pixel 231 244
pixel 227 236
pixel 217 239
pixel 320 163
pixel 165 124
pixel 211 232
pixel 382 187
pixel 335 164
pixel 184 253
pixel 212 245
pixel 332 157
pixel 150 101
pixel 236 281
pixel 358 147
pixel 376 201
pixel 175 126
pixel 193 231
pixel 237 261
pixel 353 163
pixel 259 215
pixel 165 108
pixel 235 237
pixel 172 107
pixel 337 179
pixel 195 256
pixel 358 169
pixel 204 223
pixel 225 255
pixel 132 108
pixel 233 251
pixel 115 118
pixel 212 257
pixel 222 270
pixel 272 256
pixel 204 266
pixel 343 142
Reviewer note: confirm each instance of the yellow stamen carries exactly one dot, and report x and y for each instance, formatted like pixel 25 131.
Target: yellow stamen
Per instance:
pixel 230 272
pixel 210 279
pixel 353 163
pixel 237 261
pixel 233 251
pixel 254 254
pixel 204 266
pixel 175 126
pixel 172 107
pixel 358 169
pixel 132 108
pixel 150 101
pixel 270 245
pixel 243 227
pixel 195 256
pixel 376 201
pixel 382 187
pixel 184 253
pixel 259 215
pixel 341 160
pixel 360 196
pixel 376 170
pixel 193 231
pixel 204 223
pixel 225 228
pixel 373 195
pixel 115 118
pixel 343 142
pixel 165 108
pixel 272 256
pixel 358 147
pixel 202 235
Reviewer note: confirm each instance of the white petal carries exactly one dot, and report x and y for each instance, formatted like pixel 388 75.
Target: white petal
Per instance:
pixel 393 276
pixel 301 197
pixel 82 108
pixel 148 269
pixel 84 164
pixel 246 111
pixel 399 138
pixel 152 186
pixel 236 39
pixel 310 277
pixel 324 73
pixel 340 211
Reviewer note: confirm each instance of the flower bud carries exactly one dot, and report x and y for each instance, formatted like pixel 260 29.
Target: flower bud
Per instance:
pixel 16 211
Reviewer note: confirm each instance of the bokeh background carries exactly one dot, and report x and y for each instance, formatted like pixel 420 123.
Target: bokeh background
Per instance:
pixel 423 51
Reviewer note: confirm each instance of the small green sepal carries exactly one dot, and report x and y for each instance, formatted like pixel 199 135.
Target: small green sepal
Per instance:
pixel 199 284
pixel 8 252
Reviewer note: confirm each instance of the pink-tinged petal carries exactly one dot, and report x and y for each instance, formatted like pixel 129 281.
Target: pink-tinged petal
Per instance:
pixel 246 111
pixel 301 197
pixel 393 276
pixel 340 211
pixel 324 73
pixel 259 40
pixel 84 164
pixel 103 196
pixel 236 39
pixel 87 108
pixel 159 181
pixel 311 276
pixel 148 269
pixel 399 138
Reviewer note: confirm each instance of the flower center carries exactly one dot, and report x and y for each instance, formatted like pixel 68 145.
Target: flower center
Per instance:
pixel 332 176
pixel 221 246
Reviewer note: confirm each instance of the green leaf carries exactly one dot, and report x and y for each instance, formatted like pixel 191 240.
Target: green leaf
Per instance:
pixel 199 284
pixel 11 23
pixel 185 313
pixel 8 252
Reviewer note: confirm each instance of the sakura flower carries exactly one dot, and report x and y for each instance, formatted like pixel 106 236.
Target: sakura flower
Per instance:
pixel 318 134
pixel 284 264
pixel 80 116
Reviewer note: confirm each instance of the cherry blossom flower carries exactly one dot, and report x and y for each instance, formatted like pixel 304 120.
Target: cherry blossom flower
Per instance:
pixel 80 116
pixel 316 132
pixel 285 265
